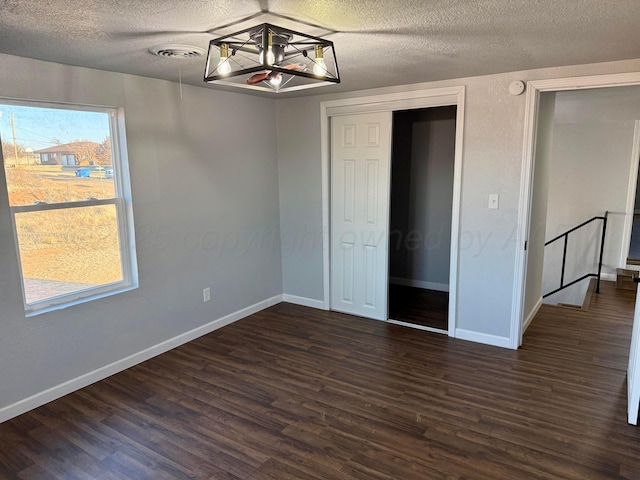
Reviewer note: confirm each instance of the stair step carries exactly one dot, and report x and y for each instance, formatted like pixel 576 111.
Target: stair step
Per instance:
pixel 569 305
pixel 585 303
pixel 624 279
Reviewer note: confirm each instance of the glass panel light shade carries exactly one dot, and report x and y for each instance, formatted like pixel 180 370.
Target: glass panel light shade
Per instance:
pixel 271 59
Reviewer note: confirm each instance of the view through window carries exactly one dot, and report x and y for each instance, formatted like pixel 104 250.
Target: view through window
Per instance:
pixel 68 201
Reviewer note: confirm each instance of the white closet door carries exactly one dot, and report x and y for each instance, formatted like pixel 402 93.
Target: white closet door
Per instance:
pixel 360 191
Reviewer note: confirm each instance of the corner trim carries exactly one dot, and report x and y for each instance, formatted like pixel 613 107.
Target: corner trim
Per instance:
pixel 53 393
pixel 532 315
pixel 485 338
pixel 305 302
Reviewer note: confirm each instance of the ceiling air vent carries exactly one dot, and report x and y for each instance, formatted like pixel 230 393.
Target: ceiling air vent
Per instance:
pixel 177 51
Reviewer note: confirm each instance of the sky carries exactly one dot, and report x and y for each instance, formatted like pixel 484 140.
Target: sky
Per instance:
pixel 39 128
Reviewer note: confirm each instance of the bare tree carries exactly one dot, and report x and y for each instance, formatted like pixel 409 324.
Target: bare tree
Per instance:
pixel 8 152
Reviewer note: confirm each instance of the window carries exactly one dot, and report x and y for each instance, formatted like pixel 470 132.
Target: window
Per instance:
pixel 70 199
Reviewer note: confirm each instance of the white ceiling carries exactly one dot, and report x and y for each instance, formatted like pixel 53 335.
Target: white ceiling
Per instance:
pixel 379 43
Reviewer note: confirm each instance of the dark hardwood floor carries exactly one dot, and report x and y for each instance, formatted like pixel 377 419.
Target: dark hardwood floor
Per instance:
pixel 294 393
pixel 428 308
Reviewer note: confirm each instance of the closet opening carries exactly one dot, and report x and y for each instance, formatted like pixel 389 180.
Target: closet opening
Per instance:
pixel 422 189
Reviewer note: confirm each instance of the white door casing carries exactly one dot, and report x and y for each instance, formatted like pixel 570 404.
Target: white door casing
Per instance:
pixel 390 102
pixel 360 179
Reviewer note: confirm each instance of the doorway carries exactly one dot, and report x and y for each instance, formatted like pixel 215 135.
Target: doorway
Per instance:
pixel 632 227
pixel 525 233
pixel 422 171
pixel 365 289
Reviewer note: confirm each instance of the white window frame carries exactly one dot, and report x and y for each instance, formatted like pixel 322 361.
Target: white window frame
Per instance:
pixel 122 203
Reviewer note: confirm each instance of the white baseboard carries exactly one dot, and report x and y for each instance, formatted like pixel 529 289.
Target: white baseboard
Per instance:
pixel 34 401
pixel 408 282
pixel 608 277
pixel 305 302
pixel 485 338
pixel 530 317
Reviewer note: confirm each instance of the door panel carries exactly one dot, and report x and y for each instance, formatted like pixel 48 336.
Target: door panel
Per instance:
pixel 360 172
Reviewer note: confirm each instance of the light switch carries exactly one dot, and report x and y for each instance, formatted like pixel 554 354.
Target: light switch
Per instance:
pixel 494 201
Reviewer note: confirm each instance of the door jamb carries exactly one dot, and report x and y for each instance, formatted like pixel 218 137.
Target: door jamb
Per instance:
pixel 436 97
pixel 534 88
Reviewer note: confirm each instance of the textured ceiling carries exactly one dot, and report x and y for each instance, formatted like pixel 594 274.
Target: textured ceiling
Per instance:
pixel 378 43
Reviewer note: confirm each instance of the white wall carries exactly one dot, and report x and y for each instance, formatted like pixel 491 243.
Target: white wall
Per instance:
pixel 588 175
pixel 540 194
pixel 492 163
pixel 423 196
pixel 198 177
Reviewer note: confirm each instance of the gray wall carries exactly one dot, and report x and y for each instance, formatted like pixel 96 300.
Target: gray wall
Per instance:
pixel 492 163
pixel 197 177
pixel 540 194
pixel 422 195
pixel 589 174
pixel 195 172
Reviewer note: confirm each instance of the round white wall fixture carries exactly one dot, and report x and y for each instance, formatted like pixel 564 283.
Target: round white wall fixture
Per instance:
pixel 516 87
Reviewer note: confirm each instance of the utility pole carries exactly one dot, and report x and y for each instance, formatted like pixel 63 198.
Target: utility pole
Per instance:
pixel 15 146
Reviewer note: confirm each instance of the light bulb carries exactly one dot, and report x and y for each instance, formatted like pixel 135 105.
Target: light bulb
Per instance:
pixel 319 67
pixel 224 66
pixel 271 58
pixel 275 79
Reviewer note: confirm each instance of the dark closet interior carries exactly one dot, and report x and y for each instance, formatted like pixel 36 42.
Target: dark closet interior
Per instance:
pixel 422 170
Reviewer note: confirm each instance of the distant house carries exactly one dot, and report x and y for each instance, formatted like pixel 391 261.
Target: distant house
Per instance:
pixel 76 153
pixel 57 155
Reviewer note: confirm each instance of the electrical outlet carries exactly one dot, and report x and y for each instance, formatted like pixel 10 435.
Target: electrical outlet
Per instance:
pixel 206 294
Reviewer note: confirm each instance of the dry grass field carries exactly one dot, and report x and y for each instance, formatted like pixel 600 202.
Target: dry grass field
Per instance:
pixel 67 245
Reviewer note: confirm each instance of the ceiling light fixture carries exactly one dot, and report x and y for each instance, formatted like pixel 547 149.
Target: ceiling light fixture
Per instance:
pixel 272 59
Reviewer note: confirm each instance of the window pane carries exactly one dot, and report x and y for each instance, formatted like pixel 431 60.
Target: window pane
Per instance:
pixel 68 250
pixel 56 155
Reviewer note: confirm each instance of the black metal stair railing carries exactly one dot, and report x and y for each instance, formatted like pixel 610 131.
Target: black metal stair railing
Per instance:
pixel 565 235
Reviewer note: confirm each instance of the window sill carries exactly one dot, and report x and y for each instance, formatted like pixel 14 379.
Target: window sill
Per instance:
pixel 47 306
